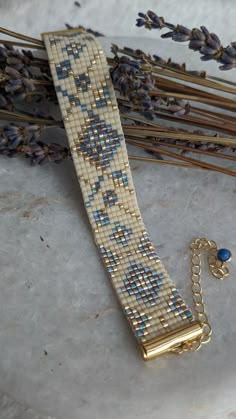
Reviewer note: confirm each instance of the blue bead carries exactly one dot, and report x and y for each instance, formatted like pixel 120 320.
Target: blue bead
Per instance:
pixel 224 255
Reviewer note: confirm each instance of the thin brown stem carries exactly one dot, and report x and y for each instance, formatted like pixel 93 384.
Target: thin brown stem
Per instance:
pixel 220 103
pixel 150 132
pixel 184 158
pixel 21 44
pixel 182 147
pixel 186 119
pixel 167 162
pixel 20 36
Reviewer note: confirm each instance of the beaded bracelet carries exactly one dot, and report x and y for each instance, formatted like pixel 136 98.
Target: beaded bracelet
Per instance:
pixel 158 315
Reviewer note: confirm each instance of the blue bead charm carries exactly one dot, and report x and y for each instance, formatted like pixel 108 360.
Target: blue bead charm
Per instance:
pixel 224 255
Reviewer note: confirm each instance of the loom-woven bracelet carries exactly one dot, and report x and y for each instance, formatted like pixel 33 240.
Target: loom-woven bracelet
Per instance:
pixel 158 316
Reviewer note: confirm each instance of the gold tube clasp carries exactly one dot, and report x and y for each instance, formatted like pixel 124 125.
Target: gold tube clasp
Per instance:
pixel 174 339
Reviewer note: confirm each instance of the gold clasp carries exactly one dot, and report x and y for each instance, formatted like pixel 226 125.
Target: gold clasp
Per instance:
pixel 171 340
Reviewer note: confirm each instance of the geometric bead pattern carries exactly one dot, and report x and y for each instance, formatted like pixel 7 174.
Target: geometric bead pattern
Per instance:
pixel 146 248
pixel 120 178
pixel 89 110
pixel 100 143
pixel 121 234
pixel 143 282
pixel 95 187
pixel 177 305
pixel 82 81
pixel 74 49
pixel 111 259
pixel 101 218
pixel 109 198
pixel 139 321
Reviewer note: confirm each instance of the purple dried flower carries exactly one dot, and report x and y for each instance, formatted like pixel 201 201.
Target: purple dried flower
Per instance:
pixel 208 44
pixel 142 15
pixel 3 101
pixel 140 22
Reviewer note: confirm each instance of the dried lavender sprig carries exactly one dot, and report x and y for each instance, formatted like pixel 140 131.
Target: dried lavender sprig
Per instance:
pixel 201 40
pixel 24 140
pixel 140 86
pixel 132 82
pixel 95 33
pixel 157 60
pixel 23 76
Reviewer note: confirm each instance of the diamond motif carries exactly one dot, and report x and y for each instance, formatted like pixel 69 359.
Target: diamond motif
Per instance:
pixel 95 187
pixel 72 98
pixel 120 178
pixel 101 218
pixel 110 258
pixel 63 69
pixel 74 48
pixel 99 141
pixel 121 234
pixel 139 321
pixel 146 248
pixel 82 81
pixel 109 198
pixel 177 306
pixel 142 282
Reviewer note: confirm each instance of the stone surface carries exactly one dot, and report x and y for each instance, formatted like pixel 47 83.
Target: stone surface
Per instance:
pixel 9 409
pixel 66 348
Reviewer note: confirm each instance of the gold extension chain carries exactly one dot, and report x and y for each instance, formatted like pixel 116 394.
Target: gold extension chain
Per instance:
pixel 219 270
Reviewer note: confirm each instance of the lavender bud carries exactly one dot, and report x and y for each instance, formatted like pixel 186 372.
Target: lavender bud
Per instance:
pixel 13 85
pixel 12 72
pixel 159 59
pixel 3 101
pixel 142 15
pixel 227 59
pixel 205 31
pixel 180 37
pixel 153 16
pixel 206 57
pixel 227 67
pixel 230 50
pixel 216 38
pixel 183 29
pixel 196 44
pixel 213 44
pixel 167 35
pixel 197 34
pixel 14 61
pixel 140 22
pixel 208 51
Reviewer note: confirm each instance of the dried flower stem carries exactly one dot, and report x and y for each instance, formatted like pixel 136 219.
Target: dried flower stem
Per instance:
pixel 192 79
pixel 21 44
pixel 145 89
pixel 176 73
pixel 150 132
pixel 186 148
pixel 20 36
pixel 184 158
pixel 170 163
pixel 186 120
pixel 21 117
